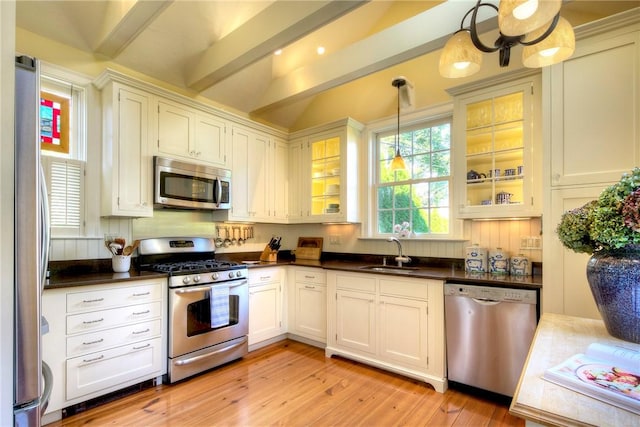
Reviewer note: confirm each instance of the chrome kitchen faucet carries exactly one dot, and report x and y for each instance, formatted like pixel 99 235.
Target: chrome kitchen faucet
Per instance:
pixel 400 258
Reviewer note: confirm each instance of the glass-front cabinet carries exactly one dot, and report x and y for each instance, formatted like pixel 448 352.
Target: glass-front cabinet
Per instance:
pixel 497 140
pixel 324 173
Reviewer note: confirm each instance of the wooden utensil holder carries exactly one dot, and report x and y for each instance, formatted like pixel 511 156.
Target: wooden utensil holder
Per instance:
pixel 269 255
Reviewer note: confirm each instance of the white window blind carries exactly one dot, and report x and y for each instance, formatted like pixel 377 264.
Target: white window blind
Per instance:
pixel 65 179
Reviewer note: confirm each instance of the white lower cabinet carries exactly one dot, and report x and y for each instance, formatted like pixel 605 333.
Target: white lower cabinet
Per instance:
pixel 266 304
pixel 308 303
pixel 112 368
pixel 103 338
pixel 392 323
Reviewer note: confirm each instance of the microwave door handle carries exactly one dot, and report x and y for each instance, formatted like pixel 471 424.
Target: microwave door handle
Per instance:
pixel 219 199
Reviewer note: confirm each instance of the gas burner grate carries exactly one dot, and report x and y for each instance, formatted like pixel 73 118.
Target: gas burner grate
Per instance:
pixel 194 266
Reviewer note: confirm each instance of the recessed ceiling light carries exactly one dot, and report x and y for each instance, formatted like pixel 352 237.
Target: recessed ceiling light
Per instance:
pixel 320 50
pixel 278 52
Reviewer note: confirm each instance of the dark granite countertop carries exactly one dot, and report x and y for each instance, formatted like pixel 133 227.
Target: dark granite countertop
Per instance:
pixel 93 272
pixel 64 274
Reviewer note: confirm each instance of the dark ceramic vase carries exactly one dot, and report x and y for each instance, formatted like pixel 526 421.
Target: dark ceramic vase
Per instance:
pixel 614 278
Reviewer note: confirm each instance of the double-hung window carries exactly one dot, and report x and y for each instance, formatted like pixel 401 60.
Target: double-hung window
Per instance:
pixel 418 198
pixel 63 153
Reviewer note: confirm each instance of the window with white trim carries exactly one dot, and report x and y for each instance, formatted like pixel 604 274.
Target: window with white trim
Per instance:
pixel 65 172
pixel 415 201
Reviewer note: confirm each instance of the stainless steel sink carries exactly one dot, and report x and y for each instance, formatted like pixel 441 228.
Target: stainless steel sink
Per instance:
pixel 389 269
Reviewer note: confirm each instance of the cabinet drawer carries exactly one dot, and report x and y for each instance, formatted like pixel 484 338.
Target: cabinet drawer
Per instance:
pixel 96 341
pixel 264 275
pixel 112 297
pixel 311 276
pixel 356 283
pixel 110 368
pixel 101 319
pixel 419 290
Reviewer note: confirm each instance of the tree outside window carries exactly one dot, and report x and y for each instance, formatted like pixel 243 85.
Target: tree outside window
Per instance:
pixel 419 195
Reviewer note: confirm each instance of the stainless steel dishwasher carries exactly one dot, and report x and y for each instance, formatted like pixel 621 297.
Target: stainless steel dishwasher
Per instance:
pixel 489 331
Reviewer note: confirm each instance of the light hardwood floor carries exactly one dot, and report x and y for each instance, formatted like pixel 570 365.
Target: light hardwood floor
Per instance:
pixel 292 384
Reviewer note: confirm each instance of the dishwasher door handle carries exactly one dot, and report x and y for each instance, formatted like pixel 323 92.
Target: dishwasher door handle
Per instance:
pixel 483 301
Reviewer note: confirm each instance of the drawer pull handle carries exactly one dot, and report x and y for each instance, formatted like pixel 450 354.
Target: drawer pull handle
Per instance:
pixel 265 277
pixel 140 332
pixel 95 359
pixel 93 342
pixel 141 347
pixel 309 277
pixel 89 301
pixel 141 294
pixel 309 287
pixel 139 313
pixel 88 322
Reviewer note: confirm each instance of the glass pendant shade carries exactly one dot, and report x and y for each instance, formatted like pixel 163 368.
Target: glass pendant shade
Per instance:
pixel 459 57
pixel 398 162
pixel 557 47
pixel 518 17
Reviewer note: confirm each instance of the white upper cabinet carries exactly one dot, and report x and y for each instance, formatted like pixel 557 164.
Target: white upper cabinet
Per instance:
pixel 126 162
pixel 188 134
pixel 498 149
pixel 324 173
pixel 279 196
pixel 259 185
pixel 594 110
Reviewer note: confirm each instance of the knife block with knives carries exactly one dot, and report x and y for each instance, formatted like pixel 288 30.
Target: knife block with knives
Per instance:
pixel 270 252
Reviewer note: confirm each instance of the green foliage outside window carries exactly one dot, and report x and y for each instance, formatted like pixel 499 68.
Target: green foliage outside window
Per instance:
pixel 418 195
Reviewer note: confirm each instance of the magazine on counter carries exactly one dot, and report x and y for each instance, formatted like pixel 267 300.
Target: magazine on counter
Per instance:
pixel 605 372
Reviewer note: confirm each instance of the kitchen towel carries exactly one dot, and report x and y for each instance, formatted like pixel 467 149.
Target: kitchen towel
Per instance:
pixel 219 305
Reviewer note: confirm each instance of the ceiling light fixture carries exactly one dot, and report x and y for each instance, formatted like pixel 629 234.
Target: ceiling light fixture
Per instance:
pixel 536 24
pixel 320 50
pixel 278 52
pixel 398 162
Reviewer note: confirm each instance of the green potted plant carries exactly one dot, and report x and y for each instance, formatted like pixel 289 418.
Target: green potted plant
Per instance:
pixel 608 229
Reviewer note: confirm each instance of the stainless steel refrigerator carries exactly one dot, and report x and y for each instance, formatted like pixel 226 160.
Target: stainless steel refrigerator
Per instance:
pixel 32 378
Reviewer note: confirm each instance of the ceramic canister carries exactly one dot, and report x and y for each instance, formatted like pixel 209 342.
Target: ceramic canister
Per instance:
pixel 475 259
pixel 498 262
pixel 520 266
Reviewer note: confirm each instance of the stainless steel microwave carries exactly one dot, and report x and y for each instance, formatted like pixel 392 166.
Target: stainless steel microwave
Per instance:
pixel 190 186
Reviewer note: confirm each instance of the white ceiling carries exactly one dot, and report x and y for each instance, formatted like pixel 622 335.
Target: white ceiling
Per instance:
pixel 223 50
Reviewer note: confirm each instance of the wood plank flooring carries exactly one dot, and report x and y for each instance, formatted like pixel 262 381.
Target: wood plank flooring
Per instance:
pixel 293 384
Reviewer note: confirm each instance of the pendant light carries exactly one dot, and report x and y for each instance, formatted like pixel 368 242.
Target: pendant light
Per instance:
pixel 517 17
pixel 535 24
pixel 398 162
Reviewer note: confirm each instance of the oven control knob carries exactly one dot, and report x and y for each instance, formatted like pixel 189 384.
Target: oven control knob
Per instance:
pixel 196 279
pixel 238 273
pixel 215 276
pixel 186 280
pixel 231 275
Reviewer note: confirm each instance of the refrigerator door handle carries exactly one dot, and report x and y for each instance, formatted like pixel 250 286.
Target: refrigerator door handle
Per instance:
pixel 45 230
pixel 47 375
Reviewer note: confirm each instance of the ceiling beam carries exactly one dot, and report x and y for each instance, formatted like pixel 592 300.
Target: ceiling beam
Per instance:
pixel 416 36
pixel 124 21
pixel 275 27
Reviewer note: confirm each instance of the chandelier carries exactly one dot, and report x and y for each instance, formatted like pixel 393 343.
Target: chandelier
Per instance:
pixel 547 37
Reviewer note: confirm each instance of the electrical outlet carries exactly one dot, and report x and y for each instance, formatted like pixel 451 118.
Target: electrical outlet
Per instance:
pixel 530 242
pixel 334 239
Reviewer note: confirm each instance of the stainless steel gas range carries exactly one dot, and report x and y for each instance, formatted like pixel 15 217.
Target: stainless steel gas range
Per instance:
pixel 208 303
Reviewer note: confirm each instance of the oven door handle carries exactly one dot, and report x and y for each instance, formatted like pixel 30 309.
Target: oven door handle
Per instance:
pixel 194 359
pixel 206 288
